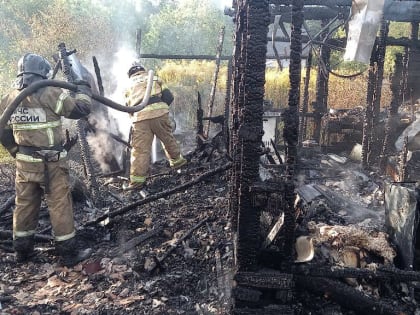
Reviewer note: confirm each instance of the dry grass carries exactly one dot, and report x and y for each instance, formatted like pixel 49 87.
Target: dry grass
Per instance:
pixel 5 157
pixel 344 93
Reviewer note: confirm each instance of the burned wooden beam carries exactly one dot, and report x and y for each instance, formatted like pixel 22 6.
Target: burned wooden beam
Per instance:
pixel 251 39
pixel 382 273
pixel 215 77
pixel 158 261
pixel 200 127
pixel 347 296
pixel 274 231
pixel 268 310
pixel 157 196
pixel 135 241
pixel 265 280
pixel 256 287
pixel 304 108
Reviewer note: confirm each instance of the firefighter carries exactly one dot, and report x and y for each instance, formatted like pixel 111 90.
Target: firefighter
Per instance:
pixel 34 137
pixel 152 120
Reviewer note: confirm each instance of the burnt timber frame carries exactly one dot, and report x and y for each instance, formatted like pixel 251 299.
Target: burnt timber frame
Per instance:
pixel 246 105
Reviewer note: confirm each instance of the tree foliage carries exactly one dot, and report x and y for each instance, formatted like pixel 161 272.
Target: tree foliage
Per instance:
pixel 101 27
pixel 194 23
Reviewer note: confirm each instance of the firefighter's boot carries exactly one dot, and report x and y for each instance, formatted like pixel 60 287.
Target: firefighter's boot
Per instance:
pixel 178 162
pixel 69 252
pixel 24 248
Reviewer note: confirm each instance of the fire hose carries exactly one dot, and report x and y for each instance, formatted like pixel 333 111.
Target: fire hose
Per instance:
pixel 72 87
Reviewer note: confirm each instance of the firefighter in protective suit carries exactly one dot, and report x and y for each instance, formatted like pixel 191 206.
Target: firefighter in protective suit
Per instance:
pixel 152 120
pixel 34 137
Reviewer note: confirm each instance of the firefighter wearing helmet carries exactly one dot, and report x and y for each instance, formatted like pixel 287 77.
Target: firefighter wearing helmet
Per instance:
pixel 151 121
pixel 34 138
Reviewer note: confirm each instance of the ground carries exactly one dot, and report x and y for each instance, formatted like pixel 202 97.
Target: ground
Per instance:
pixel 169 256
pixel 172 252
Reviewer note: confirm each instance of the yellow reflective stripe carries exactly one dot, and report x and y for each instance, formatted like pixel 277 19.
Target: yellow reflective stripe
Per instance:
pixel 28 158
pixel 137 179
pixel 36 126
pixel 155 106
pixel 50 135
pixel 66 237
pixel 60 102
pixel 17 234
pixel 83 97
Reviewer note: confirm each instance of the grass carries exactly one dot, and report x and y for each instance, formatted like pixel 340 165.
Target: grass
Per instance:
pixel 5 157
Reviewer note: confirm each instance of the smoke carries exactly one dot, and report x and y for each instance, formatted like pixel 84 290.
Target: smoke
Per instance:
pixel 123 59
pixel 119 123
pixel 221 4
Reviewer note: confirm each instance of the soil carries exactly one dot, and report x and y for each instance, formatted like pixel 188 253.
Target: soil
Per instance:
pixel 174 254
pixel 185 252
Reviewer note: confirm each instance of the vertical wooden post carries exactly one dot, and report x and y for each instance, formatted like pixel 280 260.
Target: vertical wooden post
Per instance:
pixel 138 43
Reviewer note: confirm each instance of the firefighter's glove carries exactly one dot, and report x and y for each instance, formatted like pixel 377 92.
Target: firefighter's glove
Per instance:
pixel 70 141
pixel 83 87
pixel 167 96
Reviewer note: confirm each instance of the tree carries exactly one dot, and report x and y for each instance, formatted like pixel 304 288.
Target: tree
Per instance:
pixel 189 27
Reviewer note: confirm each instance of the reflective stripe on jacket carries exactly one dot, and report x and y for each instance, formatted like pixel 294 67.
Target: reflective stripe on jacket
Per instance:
pixel 36 122
pixel 135 93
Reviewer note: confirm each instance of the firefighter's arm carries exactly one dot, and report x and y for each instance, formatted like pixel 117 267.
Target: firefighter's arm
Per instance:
pixel 70 105
pixel 8 141
pixel 165 94
pixel 83 100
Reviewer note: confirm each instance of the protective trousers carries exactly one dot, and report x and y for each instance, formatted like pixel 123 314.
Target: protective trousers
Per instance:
pixel 30 186
pixel 142 138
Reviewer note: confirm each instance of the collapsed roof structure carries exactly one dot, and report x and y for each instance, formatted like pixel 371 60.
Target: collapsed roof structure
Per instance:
pixel 274 248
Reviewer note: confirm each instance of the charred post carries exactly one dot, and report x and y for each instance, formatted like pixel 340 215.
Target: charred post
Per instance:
pixel 304 107
pixel 320 105
pixel 215 77
pixel 377 137
pixel 396 100
pixel 253 17
pixel 291 124
pixel 368 118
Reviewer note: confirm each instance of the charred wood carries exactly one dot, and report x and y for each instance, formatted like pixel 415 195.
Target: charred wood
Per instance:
pixel 250 66
pixel 159 195
pixel 201 138
pixel 304 107
pixel 377 134
pixel 347 296
pixel 98 76
pixel 158 261
pixel 138 240
pixel 215 77
pixel 9 203
pixel 265 280
pixel 269 310
pixel 382 273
